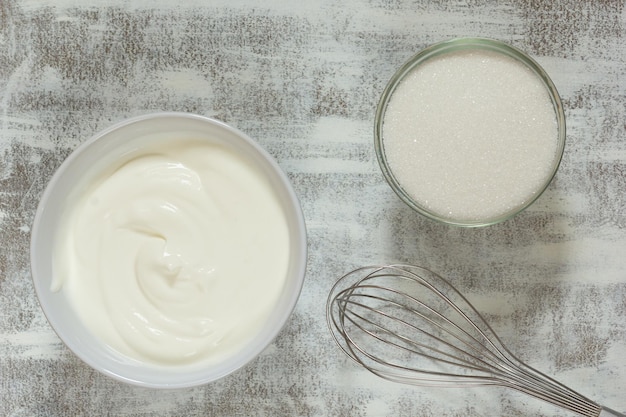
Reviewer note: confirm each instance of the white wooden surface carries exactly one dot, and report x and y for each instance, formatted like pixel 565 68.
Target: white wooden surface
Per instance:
pixel 303 78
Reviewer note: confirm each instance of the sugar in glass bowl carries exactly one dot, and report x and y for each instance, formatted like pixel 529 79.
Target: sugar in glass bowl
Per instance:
pixel 469 132
pixel 168 251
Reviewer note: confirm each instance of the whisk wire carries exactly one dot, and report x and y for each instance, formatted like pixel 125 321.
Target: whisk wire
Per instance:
pixel 430 334
pixel 381 333
pixel 516 371
pixel 493 359
pixel 352 317
pixel 457 360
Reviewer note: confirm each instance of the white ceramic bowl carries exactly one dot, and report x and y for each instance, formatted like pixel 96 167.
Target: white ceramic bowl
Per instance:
pixel 113 143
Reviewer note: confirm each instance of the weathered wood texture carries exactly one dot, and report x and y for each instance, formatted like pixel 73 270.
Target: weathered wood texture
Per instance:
pixel 303 78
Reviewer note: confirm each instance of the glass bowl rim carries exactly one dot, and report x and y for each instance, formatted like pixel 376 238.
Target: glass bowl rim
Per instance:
pixel 454 45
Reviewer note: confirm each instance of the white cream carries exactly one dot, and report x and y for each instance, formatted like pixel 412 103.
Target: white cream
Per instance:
pixel 175 257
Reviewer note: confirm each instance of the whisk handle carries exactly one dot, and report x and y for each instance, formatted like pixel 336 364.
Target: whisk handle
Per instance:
pixel 607 412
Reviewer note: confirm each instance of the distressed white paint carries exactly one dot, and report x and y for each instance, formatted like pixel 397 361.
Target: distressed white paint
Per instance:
pixel 304 78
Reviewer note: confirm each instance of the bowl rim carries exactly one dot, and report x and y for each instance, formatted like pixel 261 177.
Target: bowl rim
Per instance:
pixel 454 45
pixel 299 252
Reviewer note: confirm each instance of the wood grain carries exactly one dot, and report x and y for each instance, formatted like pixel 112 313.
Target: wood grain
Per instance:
pixel 304 78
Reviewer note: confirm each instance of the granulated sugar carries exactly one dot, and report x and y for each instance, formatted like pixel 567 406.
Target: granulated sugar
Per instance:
pixel 471 135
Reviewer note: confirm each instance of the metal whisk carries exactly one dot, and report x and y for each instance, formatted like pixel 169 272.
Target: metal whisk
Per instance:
pixel 407 324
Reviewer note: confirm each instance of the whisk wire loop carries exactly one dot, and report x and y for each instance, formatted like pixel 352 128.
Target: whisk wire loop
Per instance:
pixel 407 324
pixel 389 335
pixel 385 335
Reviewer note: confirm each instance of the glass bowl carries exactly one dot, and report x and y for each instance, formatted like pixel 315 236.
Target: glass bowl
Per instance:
pixel 434 146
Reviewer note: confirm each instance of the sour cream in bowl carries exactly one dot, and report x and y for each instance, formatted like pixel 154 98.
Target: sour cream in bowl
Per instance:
pixel 168 251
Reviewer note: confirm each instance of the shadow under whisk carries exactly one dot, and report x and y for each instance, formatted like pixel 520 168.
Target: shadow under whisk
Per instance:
pixel 409 325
